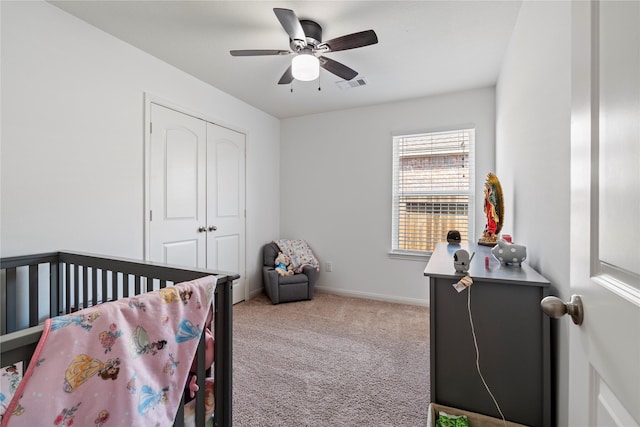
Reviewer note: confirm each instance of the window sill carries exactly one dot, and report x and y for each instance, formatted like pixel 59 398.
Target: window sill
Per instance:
pixel 411 256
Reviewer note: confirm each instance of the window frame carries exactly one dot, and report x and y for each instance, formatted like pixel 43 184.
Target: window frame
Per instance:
pixel 395 251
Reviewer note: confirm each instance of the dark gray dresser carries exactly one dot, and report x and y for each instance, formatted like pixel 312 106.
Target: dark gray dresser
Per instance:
pixel 512 332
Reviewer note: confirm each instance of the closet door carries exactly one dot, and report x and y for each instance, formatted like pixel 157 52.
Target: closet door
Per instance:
pixel 226 204
pixel 196 215
pixel 177 199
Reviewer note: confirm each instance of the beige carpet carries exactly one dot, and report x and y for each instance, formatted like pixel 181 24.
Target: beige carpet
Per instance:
pixel 332 361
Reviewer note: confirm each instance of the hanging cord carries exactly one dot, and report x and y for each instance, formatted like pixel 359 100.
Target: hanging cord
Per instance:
pixel 475 343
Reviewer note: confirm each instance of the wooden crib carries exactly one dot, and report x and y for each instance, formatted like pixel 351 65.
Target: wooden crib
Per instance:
pixel 70 281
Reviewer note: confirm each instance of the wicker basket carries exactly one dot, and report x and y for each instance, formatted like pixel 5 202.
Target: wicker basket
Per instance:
pixel 475 420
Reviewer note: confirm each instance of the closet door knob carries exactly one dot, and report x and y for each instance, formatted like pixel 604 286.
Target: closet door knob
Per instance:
pixel 212 228
pixel 202 229
pixel 555 307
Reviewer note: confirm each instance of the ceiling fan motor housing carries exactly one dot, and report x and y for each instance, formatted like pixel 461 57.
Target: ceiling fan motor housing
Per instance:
pixel 312 31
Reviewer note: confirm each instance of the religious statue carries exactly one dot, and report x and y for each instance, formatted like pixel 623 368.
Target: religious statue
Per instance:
pixel 493 210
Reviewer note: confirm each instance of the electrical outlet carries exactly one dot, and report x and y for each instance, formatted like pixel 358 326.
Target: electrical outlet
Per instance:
pixel 329 266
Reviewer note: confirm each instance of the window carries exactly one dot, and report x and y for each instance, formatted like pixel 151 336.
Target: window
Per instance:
pixel 432 189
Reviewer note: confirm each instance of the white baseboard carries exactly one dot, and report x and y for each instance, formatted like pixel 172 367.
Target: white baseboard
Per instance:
pixel 377 297
pixel 356 294
pixel 256 292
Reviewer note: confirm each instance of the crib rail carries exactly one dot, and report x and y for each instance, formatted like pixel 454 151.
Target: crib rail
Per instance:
pixel 9 295
pixel 79 280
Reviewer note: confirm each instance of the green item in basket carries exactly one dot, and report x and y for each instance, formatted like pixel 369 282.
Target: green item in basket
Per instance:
pixel 446 420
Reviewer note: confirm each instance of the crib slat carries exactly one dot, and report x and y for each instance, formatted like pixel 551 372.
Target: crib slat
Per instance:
pixel 67 288
pixel 76 288
pixel 33 295
pixel 200 380
pixel 125 285
pixel 94 286
pixel 11 300
pixel 179 419
pixel 54 290
pixel 136 284
pixel 114 285
pixel 85 287
pixel 105 292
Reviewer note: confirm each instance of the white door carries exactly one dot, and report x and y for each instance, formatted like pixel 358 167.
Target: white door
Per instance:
pixel 226 203
pixel 196 212
pixel 177 194
pixel 604 359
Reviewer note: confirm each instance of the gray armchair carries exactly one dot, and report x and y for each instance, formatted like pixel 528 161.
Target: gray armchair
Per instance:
pixel 297 287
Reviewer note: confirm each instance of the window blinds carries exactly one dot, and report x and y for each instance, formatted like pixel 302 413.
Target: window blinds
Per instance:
pixel 432 188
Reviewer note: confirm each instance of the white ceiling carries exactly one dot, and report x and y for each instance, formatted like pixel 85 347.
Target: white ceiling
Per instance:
pixel 425 47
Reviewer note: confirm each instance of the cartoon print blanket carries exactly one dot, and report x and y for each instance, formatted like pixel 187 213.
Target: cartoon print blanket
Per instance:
pixel 300 253
pixel 121 363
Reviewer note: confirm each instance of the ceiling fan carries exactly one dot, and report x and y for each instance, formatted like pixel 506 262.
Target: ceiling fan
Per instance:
pixel 305 40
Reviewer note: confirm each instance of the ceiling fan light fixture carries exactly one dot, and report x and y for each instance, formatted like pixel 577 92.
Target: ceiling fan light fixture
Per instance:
pixel 305 67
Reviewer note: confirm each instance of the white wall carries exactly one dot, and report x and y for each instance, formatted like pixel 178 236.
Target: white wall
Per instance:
pixel 72 138
pixel 533 98
pixel 336 187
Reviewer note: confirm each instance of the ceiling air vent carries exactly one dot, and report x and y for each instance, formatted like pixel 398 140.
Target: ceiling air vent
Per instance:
pixel 348 84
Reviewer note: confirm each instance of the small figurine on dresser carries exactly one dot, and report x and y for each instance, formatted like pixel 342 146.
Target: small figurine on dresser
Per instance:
pixel 493 210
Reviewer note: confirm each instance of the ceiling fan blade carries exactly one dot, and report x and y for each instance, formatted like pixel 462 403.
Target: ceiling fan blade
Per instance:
pixel 286 78
pixel 350 41
pixel 337 68
pixel 291 24
pixel 258 52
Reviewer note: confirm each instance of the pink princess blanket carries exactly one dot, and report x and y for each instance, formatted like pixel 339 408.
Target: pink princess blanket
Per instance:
pixel 121 363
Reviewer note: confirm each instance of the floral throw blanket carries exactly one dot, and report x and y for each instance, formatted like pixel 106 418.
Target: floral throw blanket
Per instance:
pixel 300 253
pixel 121 363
